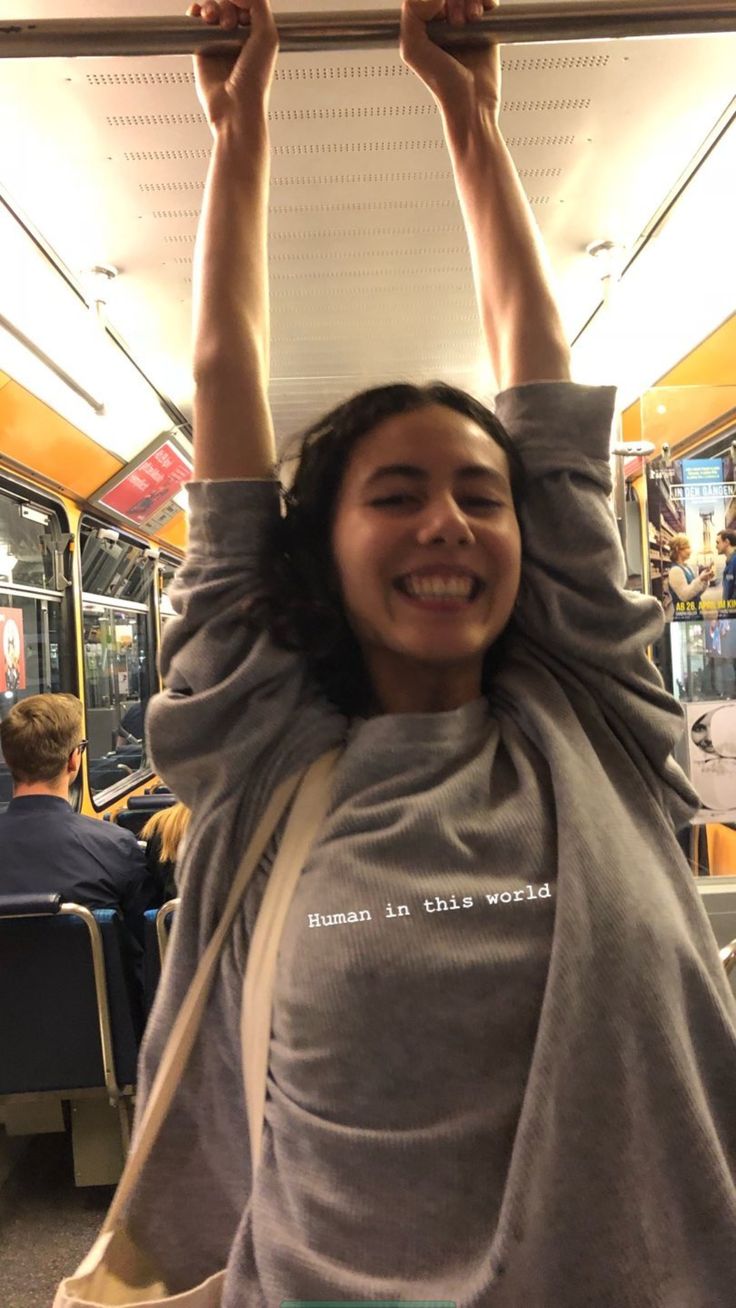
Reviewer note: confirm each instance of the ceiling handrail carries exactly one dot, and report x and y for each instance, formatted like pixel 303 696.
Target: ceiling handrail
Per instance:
pixel 567 20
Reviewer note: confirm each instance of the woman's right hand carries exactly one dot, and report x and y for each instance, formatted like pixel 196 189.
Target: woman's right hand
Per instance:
pixel 234 86
pixel 463 81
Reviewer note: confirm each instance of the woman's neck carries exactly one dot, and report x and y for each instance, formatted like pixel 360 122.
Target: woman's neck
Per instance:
pixel 420 688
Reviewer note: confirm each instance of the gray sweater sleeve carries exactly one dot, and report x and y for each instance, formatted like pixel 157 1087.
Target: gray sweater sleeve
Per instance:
pixel 573 612
pixel 236 709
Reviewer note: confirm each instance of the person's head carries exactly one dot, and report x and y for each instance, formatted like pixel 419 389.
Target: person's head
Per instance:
pixel 42 743
pixel 680 548
pixel 170 826
pixel 726 542
pixel 398 559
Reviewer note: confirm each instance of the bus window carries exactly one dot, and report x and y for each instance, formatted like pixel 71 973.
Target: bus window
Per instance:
pixel 118 653
pixel 33 650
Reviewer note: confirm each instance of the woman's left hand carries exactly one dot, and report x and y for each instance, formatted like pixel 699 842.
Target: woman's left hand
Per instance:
pixel 463 80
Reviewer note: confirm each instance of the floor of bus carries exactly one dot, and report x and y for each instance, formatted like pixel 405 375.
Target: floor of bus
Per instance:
pixel 46 1222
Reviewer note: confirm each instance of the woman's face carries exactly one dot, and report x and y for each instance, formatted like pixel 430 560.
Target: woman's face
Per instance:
pixel 427 547
pixel 684 552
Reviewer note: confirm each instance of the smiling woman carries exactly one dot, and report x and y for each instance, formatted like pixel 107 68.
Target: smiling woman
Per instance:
pixel 428 567
pixel 458 1105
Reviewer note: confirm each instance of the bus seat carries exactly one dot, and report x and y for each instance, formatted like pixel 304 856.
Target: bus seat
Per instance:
pixel 151 959
pixel 134 819
pixel 140 809
pixel 69 1030
pixel 67 1018
pixel 157 928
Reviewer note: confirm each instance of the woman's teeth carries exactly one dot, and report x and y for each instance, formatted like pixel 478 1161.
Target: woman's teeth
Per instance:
pixel 428 587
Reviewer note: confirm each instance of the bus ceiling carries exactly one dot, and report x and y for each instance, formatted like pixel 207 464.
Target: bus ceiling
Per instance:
pixel 625 147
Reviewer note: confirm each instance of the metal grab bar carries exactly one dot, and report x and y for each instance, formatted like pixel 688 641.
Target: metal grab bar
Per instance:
pixel 162 927
pixel 568 20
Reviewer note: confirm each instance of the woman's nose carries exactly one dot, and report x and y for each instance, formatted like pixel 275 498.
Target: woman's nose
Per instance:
pixel 445 523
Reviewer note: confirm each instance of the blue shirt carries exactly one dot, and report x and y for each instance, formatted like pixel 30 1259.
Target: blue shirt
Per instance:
pixel 729 577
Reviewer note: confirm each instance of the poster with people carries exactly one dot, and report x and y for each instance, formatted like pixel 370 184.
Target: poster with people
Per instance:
pixel 12 651
pixel 692 537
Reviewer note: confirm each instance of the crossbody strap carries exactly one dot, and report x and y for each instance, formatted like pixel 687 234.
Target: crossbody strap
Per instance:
pixel 305 820
pixel 184 1031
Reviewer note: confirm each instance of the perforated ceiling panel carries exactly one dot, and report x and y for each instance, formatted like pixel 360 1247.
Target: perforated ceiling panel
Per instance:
pixel 369 271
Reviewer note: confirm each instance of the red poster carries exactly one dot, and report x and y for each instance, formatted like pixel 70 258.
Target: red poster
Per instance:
pixel 12 650
pixel 145 490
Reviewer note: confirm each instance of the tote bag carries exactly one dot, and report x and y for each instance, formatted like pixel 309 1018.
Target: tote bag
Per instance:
pixel 116 1273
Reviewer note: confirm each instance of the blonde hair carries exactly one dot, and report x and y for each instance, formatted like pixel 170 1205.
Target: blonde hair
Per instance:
pixel 170 825
pixel 677 543
pixel 39 734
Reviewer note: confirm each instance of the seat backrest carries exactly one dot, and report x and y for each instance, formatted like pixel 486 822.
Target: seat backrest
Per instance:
pixel 133 819
pixel 49 1016
pixel 140 809
pixel 157 929
pixel 151 958
pixel 152 802
pixel 127 1017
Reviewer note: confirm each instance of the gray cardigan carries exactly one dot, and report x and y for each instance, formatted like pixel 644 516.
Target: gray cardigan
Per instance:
pixel 503 1056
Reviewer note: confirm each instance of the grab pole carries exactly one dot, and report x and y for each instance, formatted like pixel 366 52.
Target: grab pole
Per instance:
pixel 568 20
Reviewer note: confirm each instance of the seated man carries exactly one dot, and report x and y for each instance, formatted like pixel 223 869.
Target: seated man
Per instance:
pixel 45 847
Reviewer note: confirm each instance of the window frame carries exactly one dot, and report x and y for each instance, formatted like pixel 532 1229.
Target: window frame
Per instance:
pixel 25 492
pixel 103 799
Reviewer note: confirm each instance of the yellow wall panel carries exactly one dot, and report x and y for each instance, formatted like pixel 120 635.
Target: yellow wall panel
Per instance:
pixel 39 439
pixel 712 363
pixel 175 532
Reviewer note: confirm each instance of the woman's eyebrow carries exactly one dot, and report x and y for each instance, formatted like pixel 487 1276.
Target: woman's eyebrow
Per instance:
pixel 395 470
pixel 477 471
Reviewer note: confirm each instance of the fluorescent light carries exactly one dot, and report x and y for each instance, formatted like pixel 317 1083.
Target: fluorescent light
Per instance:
pixel 76 387
pixel 677 291
pixel 52 345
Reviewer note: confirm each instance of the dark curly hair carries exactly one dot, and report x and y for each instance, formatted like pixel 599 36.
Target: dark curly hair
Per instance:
pixel 299 601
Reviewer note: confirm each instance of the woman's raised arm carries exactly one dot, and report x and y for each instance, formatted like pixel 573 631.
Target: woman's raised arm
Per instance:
pixel 233 430
pixel 522 326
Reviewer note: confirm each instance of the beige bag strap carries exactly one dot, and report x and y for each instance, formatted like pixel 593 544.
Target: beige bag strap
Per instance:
pixel 188 1020
pixel 305 820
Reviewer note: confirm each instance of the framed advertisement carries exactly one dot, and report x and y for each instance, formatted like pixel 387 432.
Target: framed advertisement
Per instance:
pixel 691 502
pixel 12 651
pixel 711 746
pixel 144 487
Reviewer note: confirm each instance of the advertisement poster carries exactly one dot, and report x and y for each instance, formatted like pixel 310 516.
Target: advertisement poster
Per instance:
pixel 146 488
pixel 690 501
pixel 711 744
pixel 12 651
